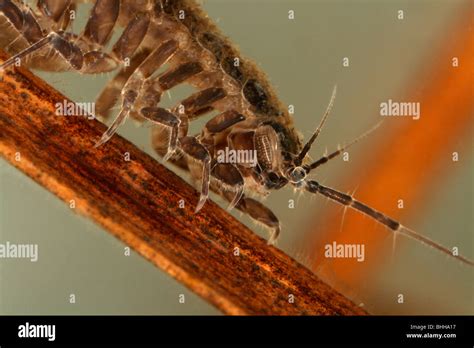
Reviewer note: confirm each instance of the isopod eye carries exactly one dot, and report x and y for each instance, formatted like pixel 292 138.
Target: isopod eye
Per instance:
pixel 297 174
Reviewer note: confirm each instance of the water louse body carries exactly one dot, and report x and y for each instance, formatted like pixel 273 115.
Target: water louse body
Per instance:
pixel 165 43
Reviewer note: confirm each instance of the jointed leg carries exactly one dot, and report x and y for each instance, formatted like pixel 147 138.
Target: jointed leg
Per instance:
pixel 111 92
pixel 163 117
pixel 223 121
pixel 192 105
pixel 81 53
pixel 225 176
pixel 202 101
pixel 228 178
pixel 133 88
pixel 72 54
pixel 101 21
pixel 55 14
pixel 69 51
pixel 260 213
pixel 191 147
pixel 22 19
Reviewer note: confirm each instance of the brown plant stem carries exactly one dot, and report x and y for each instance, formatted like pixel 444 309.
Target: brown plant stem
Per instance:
pixel 138 202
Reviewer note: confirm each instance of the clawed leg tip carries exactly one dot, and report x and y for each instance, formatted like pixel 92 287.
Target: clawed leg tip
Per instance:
pixel 99 143
pixel 199 205
pixel 273 238
pixel 271 241
pixel 231 206
pixel 168 155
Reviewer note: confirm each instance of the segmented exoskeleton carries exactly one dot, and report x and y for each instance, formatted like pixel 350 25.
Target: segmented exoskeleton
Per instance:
pixel 176 37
